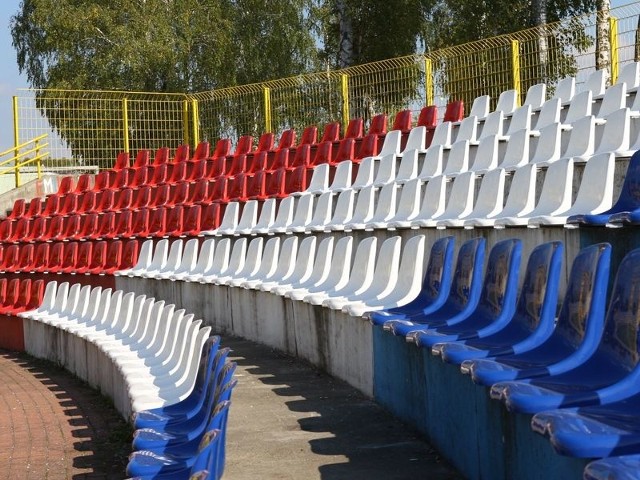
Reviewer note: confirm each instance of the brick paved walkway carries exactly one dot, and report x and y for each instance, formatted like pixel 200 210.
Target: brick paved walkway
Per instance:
pixel 52 426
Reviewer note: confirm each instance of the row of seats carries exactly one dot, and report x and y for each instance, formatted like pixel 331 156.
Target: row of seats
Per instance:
pixel 188 437
pixel 78 258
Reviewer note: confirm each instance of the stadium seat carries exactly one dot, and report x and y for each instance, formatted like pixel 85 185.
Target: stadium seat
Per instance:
pixel 362 211
pixel 161 156
pixel 248 219
pixel 87 203
pixel 143 158
pixel 322 212
pixel 210 216
pixel 517 150
pixel 273 264
pixel 300 269
pixel 122 161
pixel 223 148
pixel 384 208
pixel 458 159
pixel 175 221
pixel 407 208
pixel 139 224
pixel 229 221
pixel 536 96
pixel 24 261
pixel 304 206
pixel 201 152
pixel 34 209
pixel 355 129
pixel 459 204
pixel 83 260
pixel 343 176
pixel 54 262
pixel 41 257
pixel 157 222
pixel 18 210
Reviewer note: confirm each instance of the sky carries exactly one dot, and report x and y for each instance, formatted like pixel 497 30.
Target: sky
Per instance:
pixel 11 80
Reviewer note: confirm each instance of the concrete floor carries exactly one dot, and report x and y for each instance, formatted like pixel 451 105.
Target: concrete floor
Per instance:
pixel 290 421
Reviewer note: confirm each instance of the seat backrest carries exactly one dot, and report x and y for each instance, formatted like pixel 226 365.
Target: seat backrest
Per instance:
pixel 536 95
pixel 122 161
pixel 162 156
pixel 438 274
pixel 223 148
pixel 378 125
pixel 309 135
pixel 238 165
pixel 70 255
pixel 99 256
pixel 55 259
pixel 296 180
pixel 403 119
pixel 596 82
pixel 458 160
pixel 508 101
pixel 266 142
pixel 522 192
pixel 614 99
pixel 331 132
pixel 428 117
pixel 486 154
pixel 85 253
pixel 287 139
pixel 258 163
pixel 65 186
pixel 580 106
pixel 42 255
pixel 249 215
pixel 355 128
pixel 454 111
pixel 557 189
pixel 490 199
pixel 181 154
pixel 346 150
pixel 143 157
pixel 368 147
pixel 324 154
pixel 549 144
pixel 202 152
pixel 210 217
pixel 157 221
pixel 630 74
pixel 549 113
pixel 517 152
pixel 480 106
pixel 175 219
pixel 520 120
pixel 565 89
pixel 466 283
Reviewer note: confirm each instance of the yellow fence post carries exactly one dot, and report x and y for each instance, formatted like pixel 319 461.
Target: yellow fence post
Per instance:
pixel 515 68
pixel 266 94
pixel 344 84
pixel 195 122
pixel 613 42
pixel 428 81
pixel 185 122
pixel 125 124
pixel 16 136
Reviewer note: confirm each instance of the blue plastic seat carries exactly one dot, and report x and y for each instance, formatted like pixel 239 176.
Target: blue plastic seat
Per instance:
pixel 497 301
pixel 435 286
pixel 614 468
pixel 628 201
pixel 463 294
pixel 610 373
pixel 577 332
pixel 533 320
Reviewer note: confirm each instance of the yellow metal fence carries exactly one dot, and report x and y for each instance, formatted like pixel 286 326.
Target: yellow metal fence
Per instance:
pixel 91 127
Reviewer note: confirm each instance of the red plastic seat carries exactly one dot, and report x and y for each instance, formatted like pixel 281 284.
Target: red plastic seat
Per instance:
pixel 41 258
pixel 122 161
pixel 142 159
pixel 331 132
pixel 72 225
pixel 302 157
pixel 197 170
pixel 55 258
pixel 177 172
pixel 237 189
pixel 238 165
pixel 141 197
pixel 35 207
pixel 223 148
pixel 138 177
pixel 65 186
pixel 346 150
pixel 256 186
pixel 106 226
pixel 355 128
pixel 403 121
pixel 160 196
pixel 88 225
pixel 378 125
pixel 216 167
pixel 288 139
pixel 296 180
pixel 123 200
pixel 84 183
pixel 275 184
pixel 120 180
pixel 129 255
pixel 88 202
pixel 266 142
pixel 6 229
pixel 454 111
pixel 210 216
pixel 18 210
pixel 69 257
pixel 21 229
pixel 139 224
pixel 122 224
pixel 244 146
pixel 69 204
pixel 11 296
pixel 258 162
pixel 219 191
pixel 38 228
pixel 35 298
pixel 428 117
pixel 182 154
pixel 83 260
pixel 10 257
pixel 51 206
pixel 368 147
pixel 113 259
pixel 175 218
pixel 324 154
pixel 98 259
pixel 105 201
pixel 25 259
pixel 179 193
pixel 157 222
pixel 309 135
pixel 101 181
pixel 198 192
pixel 159 176
pixel 201 153
pixel 191 220
pixel 161 157
pixel 53 229
pixel 281 160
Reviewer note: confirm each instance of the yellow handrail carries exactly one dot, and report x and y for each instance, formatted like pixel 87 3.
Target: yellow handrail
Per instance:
pixel 17 155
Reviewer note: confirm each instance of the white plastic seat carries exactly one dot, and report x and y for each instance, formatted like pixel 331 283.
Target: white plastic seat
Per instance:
pixel 595 194
pixel 507 101
pixel 303 214
pixel 416 140
pixel 458 205
pixel 145 257
pixel 187 262
pixel 520 120
pixel 211 260
pixel 391 144
pixel 267 216
pixel 517 152
pixel 615 98
pixel 458 159
pixel 520 200
pixel 342 177
pixel 480 106
pixel 408 167
pixel 320 269
pixel 489 202
pixel 286 264
pixel 565 90
pixel 343 211
pixel 116 322
pixel 135 329
pixel 596 83
pixel 383 278
pixel 366 173
pixel 443 135
pixel 92 318
pixel 549 145
pixel 247 267
pixel 202 261
pixel 51 301
pixel 229 221
pixel 386 170
pixel 359 279
pixel 284 217
pixel 630 74
pixel 225 263
pixel 581 105
pixel 555 196
pixel 268 265
pixel 549 114
pixel 77 295
pixel 384 208
pixel 433 163
pixel 363 210
pixel 406 286
pixel 174 257
pixel 301 270
pixel 616 135
pixel 486 155
pixel 432 204
pixel 157 262
pixel 408 206
pixel 467 130
pixel 493 125
pixel 536 95
pixel 581 140
pixel 248 219
pixel 336 276
pixel 322 213
pixel 319 181
pixel 86 311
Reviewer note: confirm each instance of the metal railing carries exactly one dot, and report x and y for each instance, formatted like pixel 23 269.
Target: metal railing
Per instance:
pixel 91 127
pixel 25 154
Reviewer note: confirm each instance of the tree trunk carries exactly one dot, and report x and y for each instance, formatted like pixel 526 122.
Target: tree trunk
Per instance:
pixel 603 46
pixel 345 48
pixel 636 52
pixel 539 20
